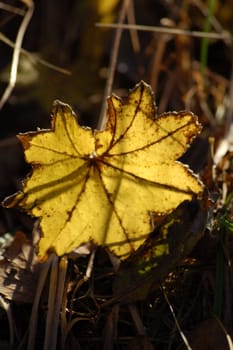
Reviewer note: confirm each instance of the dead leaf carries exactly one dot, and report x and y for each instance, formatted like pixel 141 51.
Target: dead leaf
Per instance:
pixel 101 185
pixel 19 270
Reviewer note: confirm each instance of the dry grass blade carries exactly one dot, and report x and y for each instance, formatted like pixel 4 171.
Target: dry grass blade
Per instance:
pixel 12 9
pixel 228 337
pixel 185 340
pixel 35 307
pixel 113 62
pixel 133 33
pixel 58 300
pixel 33 57
pixel 56 288
pixel 174 31
pixel 16 53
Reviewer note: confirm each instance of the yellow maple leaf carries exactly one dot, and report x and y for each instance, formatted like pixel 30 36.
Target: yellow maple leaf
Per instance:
pixel 102 185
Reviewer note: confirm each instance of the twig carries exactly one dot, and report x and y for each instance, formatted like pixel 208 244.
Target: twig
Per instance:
pixel 16 52
pixel 174 31
pixel 113 61
pixel 157 60
pixel 205 11
pixel 33 57
pixel 185 340
pixel 136 319
pixel 12 9
pixel 133 33
pixel 67 326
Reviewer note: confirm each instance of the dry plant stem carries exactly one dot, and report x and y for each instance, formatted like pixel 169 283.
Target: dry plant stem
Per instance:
pixel 90 265
pixel 136 319
pixel 16 53
pixel 51 303
pixel 133 33
pixel 5 304
pixel 35 307
pixel 34 58
pixel 63 315
pixel 59 299
pixel 56 289
pixel 110 328
pixel 12 9
pixel 70 326
pixel 67 326
pixel 204 10
pixel 167 91
pixel 113 62
pixel 185 340
pixel 229 341
pixel 174 31
pixel 157 61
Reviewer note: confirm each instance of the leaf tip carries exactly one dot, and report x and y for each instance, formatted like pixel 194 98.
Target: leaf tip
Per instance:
pixel 62 108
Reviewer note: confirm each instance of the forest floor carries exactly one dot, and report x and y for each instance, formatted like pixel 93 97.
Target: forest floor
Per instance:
pixel 191 306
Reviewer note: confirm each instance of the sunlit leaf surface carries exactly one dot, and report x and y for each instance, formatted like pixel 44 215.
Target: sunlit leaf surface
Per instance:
pixel 103 185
